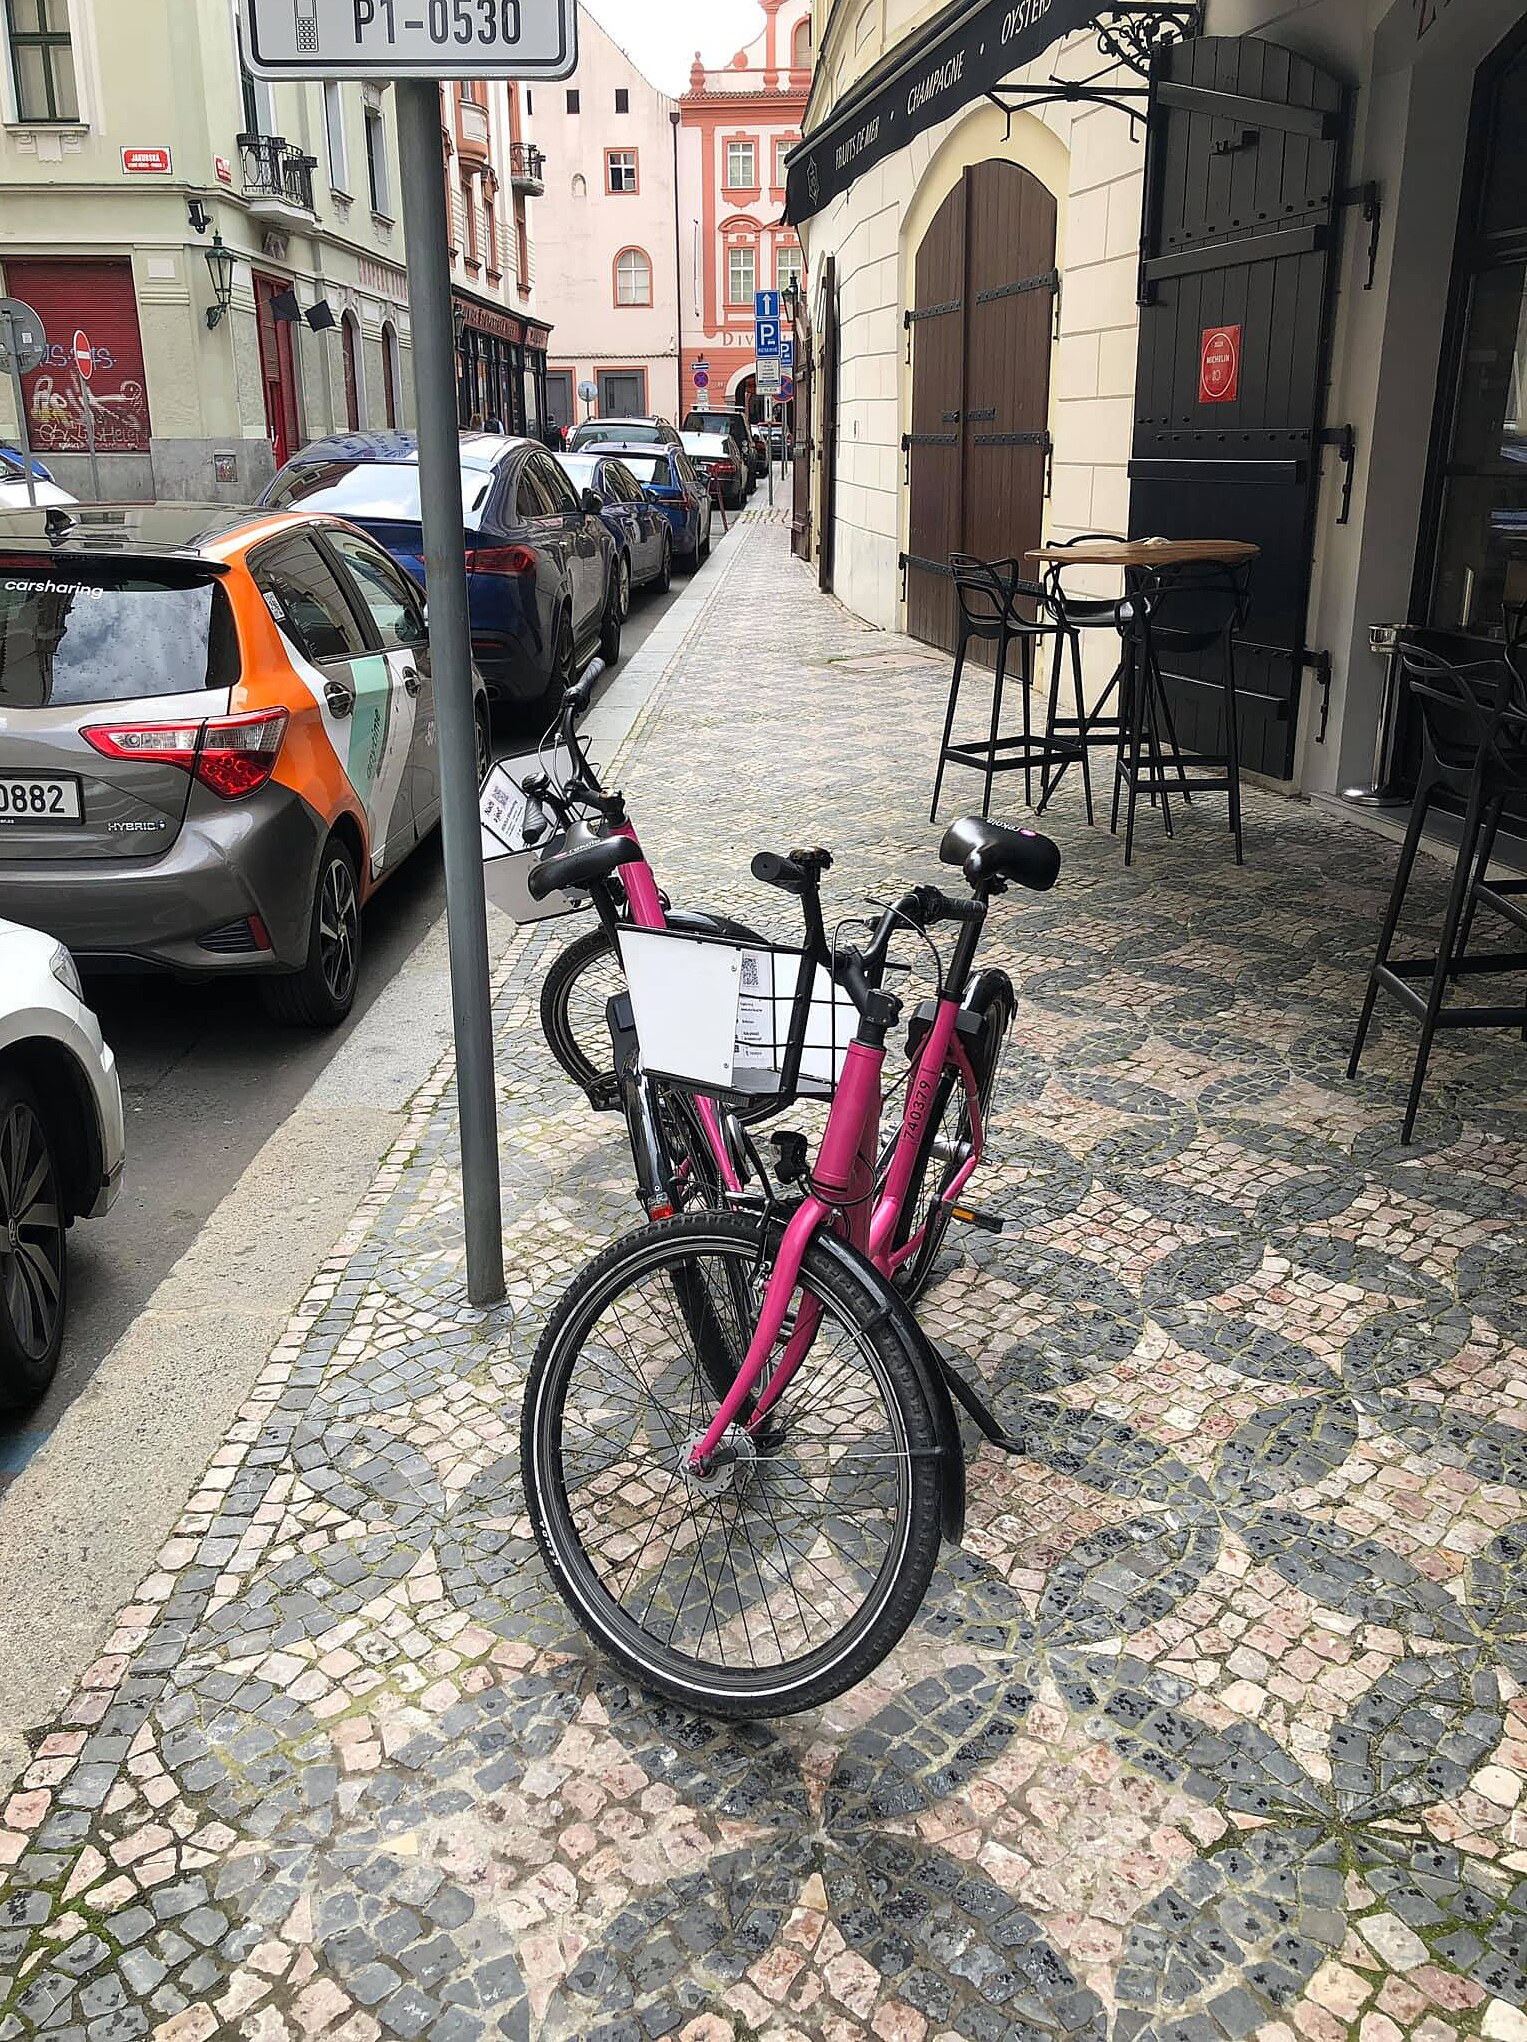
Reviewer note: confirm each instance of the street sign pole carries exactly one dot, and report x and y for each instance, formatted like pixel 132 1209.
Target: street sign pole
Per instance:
pixel 450 647
pixel 22 345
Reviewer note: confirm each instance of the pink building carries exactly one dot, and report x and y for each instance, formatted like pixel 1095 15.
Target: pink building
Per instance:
pixel 739 122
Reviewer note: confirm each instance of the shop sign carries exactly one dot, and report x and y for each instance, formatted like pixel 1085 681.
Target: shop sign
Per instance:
pixel 1219 365
pixel 488 321
pixel 938 74
pixel 146 162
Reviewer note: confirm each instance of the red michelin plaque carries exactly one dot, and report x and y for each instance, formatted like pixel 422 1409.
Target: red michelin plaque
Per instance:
pixel 1219 365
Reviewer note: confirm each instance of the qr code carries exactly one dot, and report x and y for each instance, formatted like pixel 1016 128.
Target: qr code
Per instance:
pixel 751 979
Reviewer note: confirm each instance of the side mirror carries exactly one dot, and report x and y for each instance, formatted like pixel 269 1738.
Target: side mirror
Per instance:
pixel 591 503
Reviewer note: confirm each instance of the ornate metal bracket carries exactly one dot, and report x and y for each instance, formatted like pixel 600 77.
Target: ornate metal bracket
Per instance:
pixel 1129 33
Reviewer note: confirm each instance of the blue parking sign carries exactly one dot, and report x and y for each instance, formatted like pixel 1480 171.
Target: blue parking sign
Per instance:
pixel 787 352
pixel 766 338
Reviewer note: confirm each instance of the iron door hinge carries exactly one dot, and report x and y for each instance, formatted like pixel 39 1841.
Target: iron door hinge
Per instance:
pixel 1366 197
pixel 1344 439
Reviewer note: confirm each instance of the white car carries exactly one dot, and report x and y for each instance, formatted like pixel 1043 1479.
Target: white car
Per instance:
pixel 13 492
pixel 61 1149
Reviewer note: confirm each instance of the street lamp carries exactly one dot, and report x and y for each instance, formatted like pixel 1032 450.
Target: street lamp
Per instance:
pixel 221 262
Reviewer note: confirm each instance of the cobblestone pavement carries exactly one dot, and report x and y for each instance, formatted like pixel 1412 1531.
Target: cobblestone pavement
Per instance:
pixel 1213 1728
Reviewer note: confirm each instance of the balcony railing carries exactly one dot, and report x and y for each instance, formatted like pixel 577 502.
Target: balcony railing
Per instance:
pixel 527 168
pixel 276 173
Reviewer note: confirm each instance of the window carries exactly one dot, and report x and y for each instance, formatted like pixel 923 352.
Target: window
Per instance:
pixel 530 498
pixel 789 267
pixel 741 166
pixel 490 235
pixel 622 99
pixel 42 63
pixel 392 389
pixel 633 277
pixel 620 170
pixel 469 222
pixel 783 144
pixel 259 105
pixel 555 486
pixel 334 129
pixel 800 47
pixel 573 101
pixel 741 275
pixel 308 604
pixel 349 337
pixel 376 161
pixel 530 100
pixel 383 592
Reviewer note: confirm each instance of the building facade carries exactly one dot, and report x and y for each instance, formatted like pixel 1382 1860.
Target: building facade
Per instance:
pixel 225 256
pixel 492 173
pixel 740 120
pixel 607 226
pixel 1284 297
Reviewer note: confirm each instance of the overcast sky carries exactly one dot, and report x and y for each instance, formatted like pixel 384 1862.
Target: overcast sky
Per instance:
pixel 663 35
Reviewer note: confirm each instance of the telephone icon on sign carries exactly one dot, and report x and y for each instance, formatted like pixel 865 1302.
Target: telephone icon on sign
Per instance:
pixel 305 18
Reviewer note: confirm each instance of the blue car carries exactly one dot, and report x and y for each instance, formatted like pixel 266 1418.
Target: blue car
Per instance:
pixel 542 588
pixel 667 475
pixel 13 467
pixel 636 523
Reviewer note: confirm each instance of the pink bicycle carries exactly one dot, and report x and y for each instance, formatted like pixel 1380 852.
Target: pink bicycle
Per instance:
pixel 739 1450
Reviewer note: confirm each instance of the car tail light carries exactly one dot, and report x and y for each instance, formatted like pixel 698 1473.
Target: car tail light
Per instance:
pixel 724 468
pixel 233 755
pixel 503 560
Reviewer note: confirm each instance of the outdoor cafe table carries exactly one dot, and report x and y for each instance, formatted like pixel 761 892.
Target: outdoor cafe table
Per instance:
pixel 1135 558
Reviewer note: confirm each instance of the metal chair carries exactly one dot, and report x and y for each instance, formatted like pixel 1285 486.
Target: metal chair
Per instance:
pixel 1193 609
pixel 1070 736
pixel 988 593
pixel 1474 756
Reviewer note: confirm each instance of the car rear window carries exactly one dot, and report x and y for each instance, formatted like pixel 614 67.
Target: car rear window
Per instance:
pixel 616 432
pixel 366 489
pixel 110 632
pixel 647 467
pixel 581 467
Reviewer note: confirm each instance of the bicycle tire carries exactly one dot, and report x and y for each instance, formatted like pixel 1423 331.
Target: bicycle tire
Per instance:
pixel 633 1477
pixel 913 1278
pixel 581 980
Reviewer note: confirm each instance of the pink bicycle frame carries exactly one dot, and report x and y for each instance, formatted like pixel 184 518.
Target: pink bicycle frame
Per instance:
pixel 842 1189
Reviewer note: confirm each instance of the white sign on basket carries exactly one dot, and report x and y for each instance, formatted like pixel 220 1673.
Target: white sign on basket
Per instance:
pixel 410 38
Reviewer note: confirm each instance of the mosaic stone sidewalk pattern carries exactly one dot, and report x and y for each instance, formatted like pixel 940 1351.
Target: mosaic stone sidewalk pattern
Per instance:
pixel 1214 1728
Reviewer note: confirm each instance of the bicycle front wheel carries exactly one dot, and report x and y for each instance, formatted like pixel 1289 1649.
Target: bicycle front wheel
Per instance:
pixel 578 987
pixel 788 1571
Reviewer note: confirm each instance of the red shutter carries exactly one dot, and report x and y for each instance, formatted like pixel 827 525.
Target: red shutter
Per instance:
pixel 96 297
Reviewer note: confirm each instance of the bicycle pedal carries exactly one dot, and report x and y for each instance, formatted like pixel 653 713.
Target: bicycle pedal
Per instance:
pixel 989 1222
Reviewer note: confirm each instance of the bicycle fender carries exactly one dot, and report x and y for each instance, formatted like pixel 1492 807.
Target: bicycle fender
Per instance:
pixel 931 1376
pixel 696 923
pixel 990 991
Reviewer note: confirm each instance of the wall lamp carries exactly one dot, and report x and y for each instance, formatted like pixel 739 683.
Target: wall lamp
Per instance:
pixel 198 215
pixel 221 262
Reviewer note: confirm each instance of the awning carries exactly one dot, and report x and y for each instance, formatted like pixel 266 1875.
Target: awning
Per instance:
pixel 961 55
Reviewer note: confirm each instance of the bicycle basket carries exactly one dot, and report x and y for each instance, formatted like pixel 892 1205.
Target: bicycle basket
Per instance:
pixel 501 809
pixel 722 1016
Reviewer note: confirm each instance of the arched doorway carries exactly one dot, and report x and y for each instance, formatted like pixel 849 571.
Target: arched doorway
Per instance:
pixel 982 320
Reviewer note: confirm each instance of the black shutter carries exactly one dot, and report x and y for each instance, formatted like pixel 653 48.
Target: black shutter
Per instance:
pixel 1243 169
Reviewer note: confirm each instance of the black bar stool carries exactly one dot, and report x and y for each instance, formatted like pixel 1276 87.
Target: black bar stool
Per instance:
pixel 1069 737
pixel 1474 756
pixel 1194 608
pixel 988 593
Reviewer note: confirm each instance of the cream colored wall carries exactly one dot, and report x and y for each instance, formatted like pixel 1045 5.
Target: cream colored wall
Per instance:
pixel 1087 160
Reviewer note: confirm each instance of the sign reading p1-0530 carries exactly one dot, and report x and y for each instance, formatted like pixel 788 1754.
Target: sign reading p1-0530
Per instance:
pixel 410 38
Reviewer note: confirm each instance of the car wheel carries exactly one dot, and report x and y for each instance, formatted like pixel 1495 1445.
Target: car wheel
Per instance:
pixel 614 618
pixel 662 581
pixel 546 706
pixel 34 1282
pixel 322 993
pixel 482 724
pixel 622 588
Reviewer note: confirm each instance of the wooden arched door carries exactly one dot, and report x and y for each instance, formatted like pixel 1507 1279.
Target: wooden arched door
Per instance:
pixel 981 325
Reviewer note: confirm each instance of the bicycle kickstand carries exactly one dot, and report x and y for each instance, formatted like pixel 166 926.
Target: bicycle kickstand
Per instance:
pixel 977 1407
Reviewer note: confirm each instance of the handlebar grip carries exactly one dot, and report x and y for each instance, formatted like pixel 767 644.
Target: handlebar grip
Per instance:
pixel 534 826
pixel 951 909
pixel 776 870
pixel 576 699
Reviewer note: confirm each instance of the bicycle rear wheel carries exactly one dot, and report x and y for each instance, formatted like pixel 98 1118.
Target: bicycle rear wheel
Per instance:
pixel 788 1571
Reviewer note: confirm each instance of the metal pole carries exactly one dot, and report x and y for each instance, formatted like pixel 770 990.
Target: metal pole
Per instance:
pixel 21 410
pixel 678 278
pixel 450 647
pixel 95 473
pixel 769 451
